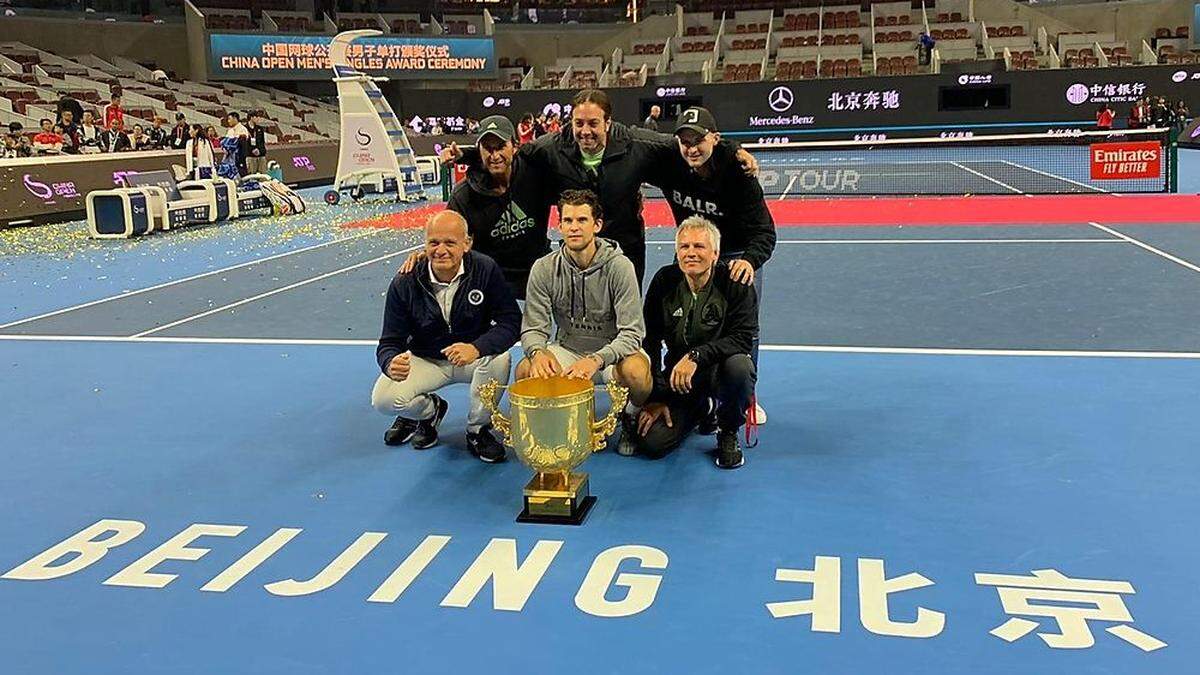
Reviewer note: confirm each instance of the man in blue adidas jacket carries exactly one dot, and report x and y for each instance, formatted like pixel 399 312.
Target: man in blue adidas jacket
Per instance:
pixel 452 320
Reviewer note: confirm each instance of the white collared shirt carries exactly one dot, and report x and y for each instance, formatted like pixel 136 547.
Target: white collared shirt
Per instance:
pixel 443 293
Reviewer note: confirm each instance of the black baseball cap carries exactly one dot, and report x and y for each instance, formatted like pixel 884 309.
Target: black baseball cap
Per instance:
pixel 498 126
pixel 696 119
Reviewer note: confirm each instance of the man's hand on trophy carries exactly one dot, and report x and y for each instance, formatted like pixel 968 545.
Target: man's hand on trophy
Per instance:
pixel 450 153
pixel 461 353
pixel 584 368
pixel 681 375
pixel 398 367
pixel 543 364
pixel 411 262
pixel 650 414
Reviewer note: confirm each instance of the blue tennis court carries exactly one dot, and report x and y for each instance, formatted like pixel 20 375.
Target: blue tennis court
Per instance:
pixel 979 458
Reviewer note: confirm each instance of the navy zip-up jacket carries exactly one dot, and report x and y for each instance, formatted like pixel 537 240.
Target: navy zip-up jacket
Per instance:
pixel 484 313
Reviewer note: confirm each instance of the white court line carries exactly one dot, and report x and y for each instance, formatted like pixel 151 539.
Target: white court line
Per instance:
pixel 981 352
pixel 1054 176
pixel 183 280
pixel 806 242
pixel 1148 247
pixel 788 189
pixel 987 177
pixel 282 289
pixel 829 349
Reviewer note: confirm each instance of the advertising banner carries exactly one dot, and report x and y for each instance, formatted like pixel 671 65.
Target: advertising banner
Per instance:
pixel 244 56
pixel 1118 161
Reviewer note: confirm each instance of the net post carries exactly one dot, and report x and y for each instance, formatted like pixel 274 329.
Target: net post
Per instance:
pixel 1173 164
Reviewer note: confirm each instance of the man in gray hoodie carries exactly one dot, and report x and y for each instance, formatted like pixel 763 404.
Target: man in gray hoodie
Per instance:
pixel 589 290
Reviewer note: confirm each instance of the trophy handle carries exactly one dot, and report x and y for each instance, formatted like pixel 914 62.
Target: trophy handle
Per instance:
pixel 489 394
pixel 603 428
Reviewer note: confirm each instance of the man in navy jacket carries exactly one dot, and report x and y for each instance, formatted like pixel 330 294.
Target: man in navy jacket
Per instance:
pixel 452 320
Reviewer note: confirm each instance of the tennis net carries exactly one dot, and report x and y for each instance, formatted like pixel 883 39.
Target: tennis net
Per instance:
pixel 1136 160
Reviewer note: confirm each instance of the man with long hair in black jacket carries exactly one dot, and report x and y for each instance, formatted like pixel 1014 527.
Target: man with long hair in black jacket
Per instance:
pixel 505 203
pixel 452 320
pixel 707 321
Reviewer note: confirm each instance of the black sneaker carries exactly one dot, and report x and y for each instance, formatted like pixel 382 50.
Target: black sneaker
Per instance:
pixel 401 432
pixel 708 423
pixel 426 435
pixel 729 450
pixel 484 445
pixel 627 443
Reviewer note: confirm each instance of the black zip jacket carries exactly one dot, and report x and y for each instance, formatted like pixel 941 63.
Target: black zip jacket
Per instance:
pixel 732 200
pixel 511 227
pixel 720 321
pixel 483 313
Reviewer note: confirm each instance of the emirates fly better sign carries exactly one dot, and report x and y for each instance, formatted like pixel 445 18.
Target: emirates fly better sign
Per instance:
pixel 1119 161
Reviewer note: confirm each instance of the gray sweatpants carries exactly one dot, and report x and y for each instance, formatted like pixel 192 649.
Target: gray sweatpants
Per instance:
pixel 409 398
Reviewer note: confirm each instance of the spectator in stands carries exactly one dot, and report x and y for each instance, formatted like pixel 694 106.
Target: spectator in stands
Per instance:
pixel 198 153
pixel 1160 114
pixel 539 126
pixel 1138 114
pixel 256 161
pixel 48 141
pixel 553 123
pixel 70 129
pixel 472 126
pixel 236 130
pixel 651 121
pixel 180 134
pixel 113 112
pixel 158 134
pixel 925 48
pixel 115 139
pixel 16 143
pixel 1182 114
pixel 139 140
pixel 525 129
pixel 1104 118
pixel 68 103
pixel 435 127
pixel 89 134
pixel 213 138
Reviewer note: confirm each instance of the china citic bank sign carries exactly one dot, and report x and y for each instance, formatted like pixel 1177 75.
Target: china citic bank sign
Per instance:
pixel 1119 161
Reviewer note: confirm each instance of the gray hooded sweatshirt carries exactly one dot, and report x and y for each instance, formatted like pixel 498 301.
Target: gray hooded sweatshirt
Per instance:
pixel 598 310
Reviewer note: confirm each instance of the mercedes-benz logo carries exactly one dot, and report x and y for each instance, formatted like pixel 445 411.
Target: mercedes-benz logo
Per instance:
pixel 780 99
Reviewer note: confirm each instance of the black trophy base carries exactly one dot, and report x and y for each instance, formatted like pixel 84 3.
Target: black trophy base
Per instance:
pixel 580 514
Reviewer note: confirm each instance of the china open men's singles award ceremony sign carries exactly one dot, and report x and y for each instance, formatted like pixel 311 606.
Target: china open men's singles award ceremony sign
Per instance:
pixel 266 57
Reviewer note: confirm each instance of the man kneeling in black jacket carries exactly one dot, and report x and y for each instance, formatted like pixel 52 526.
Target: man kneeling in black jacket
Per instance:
pixel 452 320
pixel 708 323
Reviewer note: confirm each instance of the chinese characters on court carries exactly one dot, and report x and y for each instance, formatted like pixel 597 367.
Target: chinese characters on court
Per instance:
pixel 1069 603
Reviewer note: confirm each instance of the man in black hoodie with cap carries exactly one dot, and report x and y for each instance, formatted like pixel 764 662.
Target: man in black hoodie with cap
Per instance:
pixel 505 204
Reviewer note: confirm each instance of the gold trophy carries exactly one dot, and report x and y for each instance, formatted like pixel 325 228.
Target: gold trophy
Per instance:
pixel 552 427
